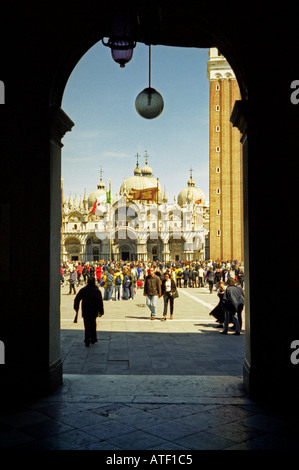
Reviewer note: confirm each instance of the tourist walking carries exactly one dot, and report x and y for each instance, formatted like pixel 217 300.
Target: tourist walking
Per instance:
pixel 241 305
pixel 108 284
pixel 126 283
pixel 218 312
pixel 73 280
pixel 133 283
pixel 61 276
pixel 201 274
pixel 186 275
pixel 168 290
pixel 194 277
pixel 240 276
pixel 210 278
pixel 232 299
pixel 92 307
pixel 179 275
pixel 99 273
pixel 152 290
pixel 79 273
pixel 118 281
pixel 85 273
pixel 217 277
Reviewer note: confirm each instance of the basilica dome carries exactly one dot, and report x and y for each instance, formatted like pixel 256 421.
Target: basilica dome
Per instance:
pixel 100 191
pixel 142 179
pixel 146 170
pixel 191 194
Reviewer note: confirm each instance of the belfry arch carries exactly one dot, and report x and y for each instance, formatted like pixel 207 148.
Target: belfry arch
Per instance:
pixel 33 128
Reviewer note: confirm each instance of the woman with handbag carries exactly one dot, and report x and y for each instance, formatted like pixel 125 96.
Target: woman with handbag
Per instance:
pixel 169 291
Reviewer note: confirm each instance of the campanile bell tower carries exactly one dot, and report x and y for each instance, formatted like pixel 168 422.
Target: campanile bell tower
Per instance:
pixel 226 171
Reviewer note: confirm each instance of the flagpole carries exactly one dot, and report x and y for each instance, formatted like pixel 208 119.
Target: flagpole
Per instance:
pixel 109 219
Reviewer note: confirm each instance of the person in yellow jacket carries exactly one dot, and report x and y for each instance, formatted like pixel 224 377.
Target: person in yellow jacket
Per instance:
pixel 179 275
pixel 108 279
pixel 118 283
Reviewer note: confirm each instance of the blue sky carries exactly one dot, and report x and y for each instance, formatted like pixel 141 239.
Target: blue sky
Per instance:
pixel 100 98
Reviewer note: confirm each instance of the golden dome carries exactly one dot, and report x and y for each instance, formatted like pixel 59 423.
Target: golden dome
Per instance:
pixel 137 170
pixel 140 182
pixel 191 194
pixel 146 170
pixel 97 193
pixel 142 179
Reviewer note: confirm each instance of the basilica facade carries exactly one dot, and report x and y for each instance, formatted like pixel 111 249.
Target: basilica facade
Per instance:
pixel 137 224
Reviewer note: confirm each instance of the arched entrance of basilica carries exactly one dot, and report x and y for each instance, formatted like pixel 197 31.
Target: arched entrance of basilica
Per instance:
pixel 125 251
pixel 34 115
pixel 72 249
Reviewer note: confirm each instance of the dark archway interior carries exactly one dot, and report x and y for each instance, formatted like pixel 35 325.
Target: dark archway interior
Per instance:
pixel 41 44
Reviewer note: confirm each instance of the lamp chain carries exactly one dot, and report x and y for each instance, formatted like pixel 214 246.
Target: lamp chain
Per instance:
pixel 149 68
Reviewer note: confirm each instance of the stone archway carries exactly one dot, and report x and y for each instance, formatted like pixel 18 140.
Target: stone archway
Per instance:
pixel 33 126
pixel 59 123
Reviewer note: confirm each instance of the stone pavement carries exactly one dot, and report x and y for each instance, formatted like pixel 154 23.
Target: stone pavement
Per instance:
pixel 130 343
pixel 149 386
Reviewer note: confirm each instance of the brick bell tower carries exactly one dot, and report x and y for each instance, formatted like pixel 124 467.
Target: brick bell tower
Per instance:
pixel 226 170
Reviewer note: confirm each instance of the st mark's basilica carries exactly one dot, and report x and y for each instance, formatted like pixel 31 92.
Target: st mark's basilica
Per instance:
pixel 124 227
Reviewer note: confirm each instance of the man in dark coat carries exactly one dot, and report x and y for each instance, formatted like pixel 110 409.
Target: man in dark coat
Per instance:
pixel 211 278
pixel 232 299
pixel 152 290
pixel 92 307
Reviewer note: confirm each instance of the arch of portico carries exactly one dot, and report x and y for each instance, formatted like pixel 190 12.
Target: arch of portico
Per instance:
pixel 33 126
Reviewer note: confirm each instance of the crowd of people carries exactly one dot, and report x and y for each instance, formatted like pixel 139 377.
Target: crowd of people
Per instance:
pixel 158 279
pixel 125 277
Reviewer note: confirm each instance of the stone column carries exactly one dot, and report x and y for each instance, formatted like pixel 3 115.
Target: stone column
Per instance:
pixel 270 145
pixel 30 312
pixel 239 120
pixel 82 251
pixel 141 246
pixel 165 252
pixel 60 123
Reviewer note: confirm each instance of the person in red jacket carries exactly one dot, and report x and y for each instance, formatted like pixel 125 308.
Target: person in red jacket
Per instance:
pixel 79 272
pixel 99 273
pixel 61 276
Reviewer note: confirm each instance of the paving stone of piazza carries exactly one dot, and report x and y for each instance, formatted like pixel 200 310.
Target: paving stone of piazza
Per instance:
pixel 130 343
pixel 173 386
